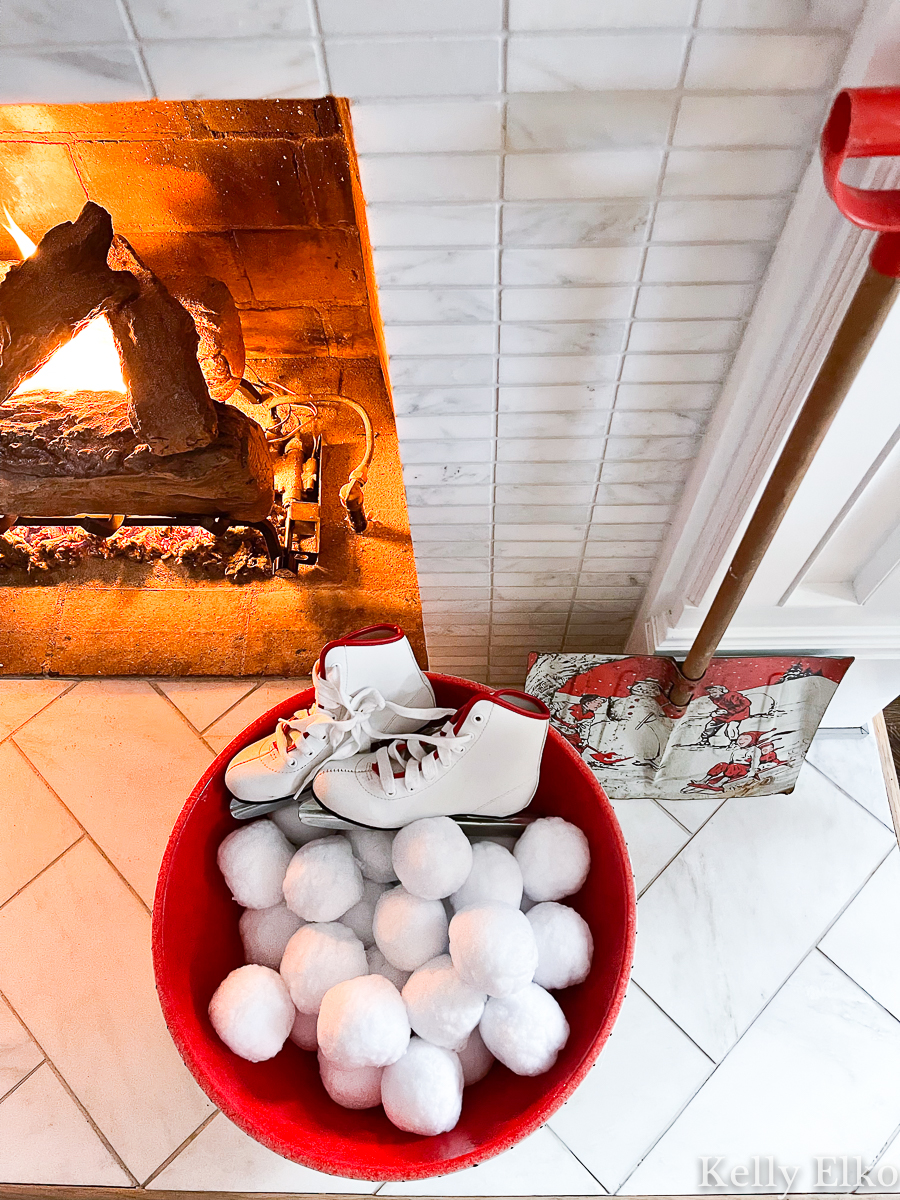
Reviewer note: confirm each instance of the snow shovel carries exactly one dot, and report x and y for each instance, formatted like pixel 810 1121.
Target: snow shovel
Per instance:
pixel 708 727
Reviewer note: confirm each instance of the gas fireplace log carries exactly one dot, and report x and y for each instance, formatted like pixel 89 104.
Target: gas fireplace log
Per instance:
pixel 75 452
pixel 215 314
pixel 170 408
pixel 48 297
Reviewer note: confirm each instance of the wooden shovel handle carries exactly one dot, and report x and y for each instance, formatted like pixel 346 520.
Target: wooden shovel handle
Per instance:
pixel 858 330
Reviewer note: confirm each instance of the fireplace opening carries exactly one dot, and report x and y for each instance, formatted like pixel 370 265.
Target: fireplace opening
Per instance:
pixel 193 391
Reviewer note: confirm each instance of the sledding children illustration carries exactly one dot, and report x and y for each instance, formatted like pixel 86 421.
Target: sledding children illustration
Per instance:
pixel 753 755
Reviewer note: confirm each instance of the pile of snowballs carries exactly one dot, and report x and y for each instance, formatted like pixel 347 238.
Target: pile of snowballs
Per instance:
pixel 409 990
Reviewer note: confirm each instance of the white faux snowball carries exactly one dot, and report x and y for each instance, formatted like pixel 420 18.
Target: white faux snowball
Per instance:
pixel 442 1009
pixel 432 857
pixel 359 917
pixel 253 859
pixel 526 1031
pixel 493 948
pixel 408 930
pixel 422 1092
pixel 288 821
pixel 265 932
pixel 564 942
pixel 363 1023
pixel 316 958
pixel 252 1013
pixel 356 1087
pixel 323 880
pixel 554 857
pixel 495 877
pixel 303 1033
pixel 379 965
pixel 475 1058
pixel 372 850
pixel 508 843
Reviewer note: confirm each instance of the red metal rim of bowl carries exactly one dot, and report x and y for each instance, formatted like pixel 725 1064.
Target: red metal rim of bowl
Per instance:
pixel 281 1103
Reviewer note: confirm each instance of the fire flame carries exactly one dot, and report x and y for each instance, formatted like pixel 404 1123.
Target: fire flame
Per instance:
pixel 89 362
pixel 26 246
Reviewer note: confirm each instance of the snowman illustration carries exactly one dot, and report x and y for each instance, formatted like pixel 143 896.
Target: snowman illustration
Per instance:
pixel 636 726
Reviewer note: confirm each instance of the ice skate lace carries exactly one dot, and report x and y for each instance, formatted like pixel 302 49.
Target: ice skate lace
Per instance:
pixel 339 719
pixel 423 757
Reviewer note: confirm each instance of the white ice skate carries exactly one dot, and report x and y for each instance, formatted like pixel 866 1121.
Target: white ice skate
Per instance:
pixel 484 762
pixel 368 686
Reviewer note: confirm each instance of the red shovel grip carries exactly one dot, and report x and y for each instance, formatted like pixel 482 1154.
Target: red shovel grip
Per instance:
pixel 865 123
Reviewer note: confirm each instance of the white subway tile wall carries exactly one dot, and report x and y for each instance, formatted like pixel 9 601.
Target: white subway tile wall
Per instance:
pixel 571 207
pixel 645 158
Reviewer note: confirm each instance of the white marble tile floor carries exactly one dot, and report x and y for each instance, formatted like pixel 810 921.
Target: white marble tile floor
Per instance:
pixel 763 1019
pixel 754 889
pixel 818 1070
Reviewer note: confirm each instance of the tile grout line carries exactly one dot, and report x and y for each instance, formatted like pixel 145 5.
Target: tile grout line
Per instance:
pixel 832 33
pixel 215 753
pixel 844 792
pixel 148 908
pixel 638 282
pixel 642 147
pixel 675 819
pixel 84 1112
pixel 498 329
pixel 206 728
pixel 15 1087
pixel 669 1017
pixel 693 833
pixel 177 1151
pixel 569 1150
pixel 43 708
pixel 18 1019
pixel 38 874
pixel 837 966
pixel 315 21
pixel 879 1155
pixel 136 47
pixel 157 687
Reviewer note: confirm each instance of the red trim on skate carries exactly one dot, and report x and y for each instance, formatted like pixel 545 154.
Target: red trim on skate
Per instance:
pixel 543 713
pixel 358 637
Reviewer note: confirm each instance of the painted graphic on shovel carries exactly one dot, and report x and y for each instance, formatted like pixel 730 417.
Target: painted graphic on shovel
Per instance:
pixel 745 733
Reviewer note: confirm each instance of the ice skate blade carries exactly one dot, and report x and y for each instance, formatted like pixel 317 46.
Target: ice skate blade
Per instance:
pixel 249 810
pixel 312 813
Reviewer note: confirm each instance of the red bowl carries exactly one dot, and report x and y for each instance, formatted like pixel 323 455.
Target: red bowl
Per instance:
pixel 281 1103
